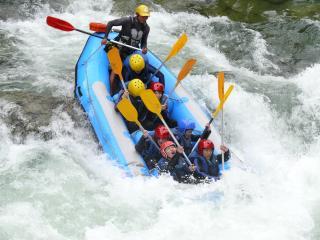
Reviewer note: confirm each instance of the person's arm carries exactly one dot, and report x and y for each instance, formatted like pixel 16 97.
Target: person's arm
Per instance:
pixel 194 137
pixel 226 156
pixel 206 133
pixel 116 22
pixel 141 145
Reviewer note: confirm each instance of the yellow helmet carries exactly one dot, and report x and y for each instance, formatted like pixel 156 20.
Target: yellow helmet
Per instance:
pixel 135 87
pixel 136 62
pixel 143 10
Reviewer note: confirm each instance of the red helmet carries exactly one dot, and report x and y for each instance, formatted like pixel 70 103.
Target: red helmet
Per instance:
pixel 205 144
pixel 161 132
pixel 164 146
pixel 157 86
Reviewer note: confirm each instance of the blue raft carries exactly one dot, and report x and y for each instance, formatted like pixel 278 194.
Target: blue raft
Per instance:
pixel 92 91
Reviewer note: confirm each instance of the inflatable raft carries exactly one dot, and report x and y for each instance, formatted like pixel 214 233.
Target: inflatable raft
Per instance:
pixel 92 91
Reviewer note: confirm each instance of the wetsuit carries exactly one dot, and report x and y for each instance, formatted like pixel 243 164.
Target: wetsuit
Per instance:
pixel 209 168
pixel 148 151
pixel 188 144
pixel 177 167
pixel 144 75
pixel 132 33
pixel 142 114
pixel 165 113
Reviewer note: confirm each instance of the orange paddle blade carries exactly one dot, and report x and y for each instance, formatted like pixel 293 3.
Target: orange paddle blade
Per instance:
pixel 151 102
pixel 186 69
pixel 115 61
pixel 220 106
pixel 128 111
pixel 221 85
pixel 177 46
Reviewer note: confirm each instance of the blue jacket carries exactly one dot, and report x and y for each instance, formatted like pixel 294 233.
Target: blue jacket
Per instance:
pixel 188 144
pixel 148 151
pixel 177 167
pixel 208 169
pixel 144 75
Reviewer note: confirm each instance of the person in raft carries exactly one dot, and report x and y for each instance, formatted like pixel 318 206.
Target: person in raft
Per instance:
pixel 136 66
pixel 134 32
pixel 158 89
pixel 172 162
pixel 206 162
pixel 185 135
pixel 148 150
pixel 135 87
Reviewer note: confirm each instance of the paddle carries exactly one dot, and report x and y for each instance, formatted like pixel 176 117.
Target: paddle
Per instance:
pixel 67 27
pixel 175 49
pixel 116 64
pixel 152 103
pixel 221 97
pixel 130 113
pixel 182 74
pixel 214 114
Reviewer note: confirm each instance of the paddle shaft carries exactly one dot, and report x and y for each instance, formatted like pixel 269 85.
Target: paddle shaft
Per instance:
pixel 169 95
pixel 158 69
pixel 196 144
pixel 116 42
pixel 175 140
pixel 123 85
pixel 149 137
pixel 222 139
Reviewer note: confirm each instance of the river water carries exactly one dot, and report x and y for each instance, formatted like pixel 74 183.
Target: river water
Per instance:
pixel 55 181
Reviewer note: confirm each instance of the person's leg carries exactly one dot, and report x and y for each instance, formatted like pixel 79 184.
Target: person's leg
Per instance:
pixel 112 83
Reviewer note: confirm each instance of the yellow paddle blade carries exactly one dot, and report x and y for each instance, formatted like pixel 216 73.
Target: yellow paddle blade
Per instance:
pixel 186 69
pixel 128 111
pixel 151 102
pixel 221 85
pixel 220 106
pixel 177 46
pixel 115 61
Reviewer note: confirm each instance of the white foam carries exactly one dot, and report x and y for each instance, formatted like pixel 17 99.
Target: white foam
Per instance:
pixel 72 191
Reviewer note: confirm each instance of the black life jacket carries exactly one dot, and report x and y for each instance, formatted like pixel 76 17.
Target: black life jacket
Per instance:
pixel 212 165
pixel 132 33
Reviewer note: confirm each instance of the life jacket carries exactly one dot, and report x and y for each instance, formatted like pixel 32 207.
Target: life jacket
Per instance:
pixel 132 33
pixel 187 144
pixel 129 74
pixel 177 167
pixel 209 167
pixel 151 152
pixel 141 108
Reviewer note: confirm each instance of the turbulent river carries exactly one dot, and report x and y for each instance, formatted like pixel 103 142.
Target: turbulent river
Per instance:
pixel 56 182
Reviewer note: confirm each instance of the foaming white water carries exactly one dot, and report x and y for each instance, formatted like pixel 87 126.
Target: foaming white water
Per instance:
pixel 170 26
pixel 72 191
pixel 308 82
pixel 51 54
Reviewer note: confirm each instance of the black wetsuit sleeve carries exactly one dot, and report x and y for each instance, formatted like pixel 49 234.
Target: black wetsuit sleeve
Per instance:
pixel 159 74
pixel 206 133
pixel 226 156
pixel 140 146
pixel 195 138
pixel 116 22
pixel 144 39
